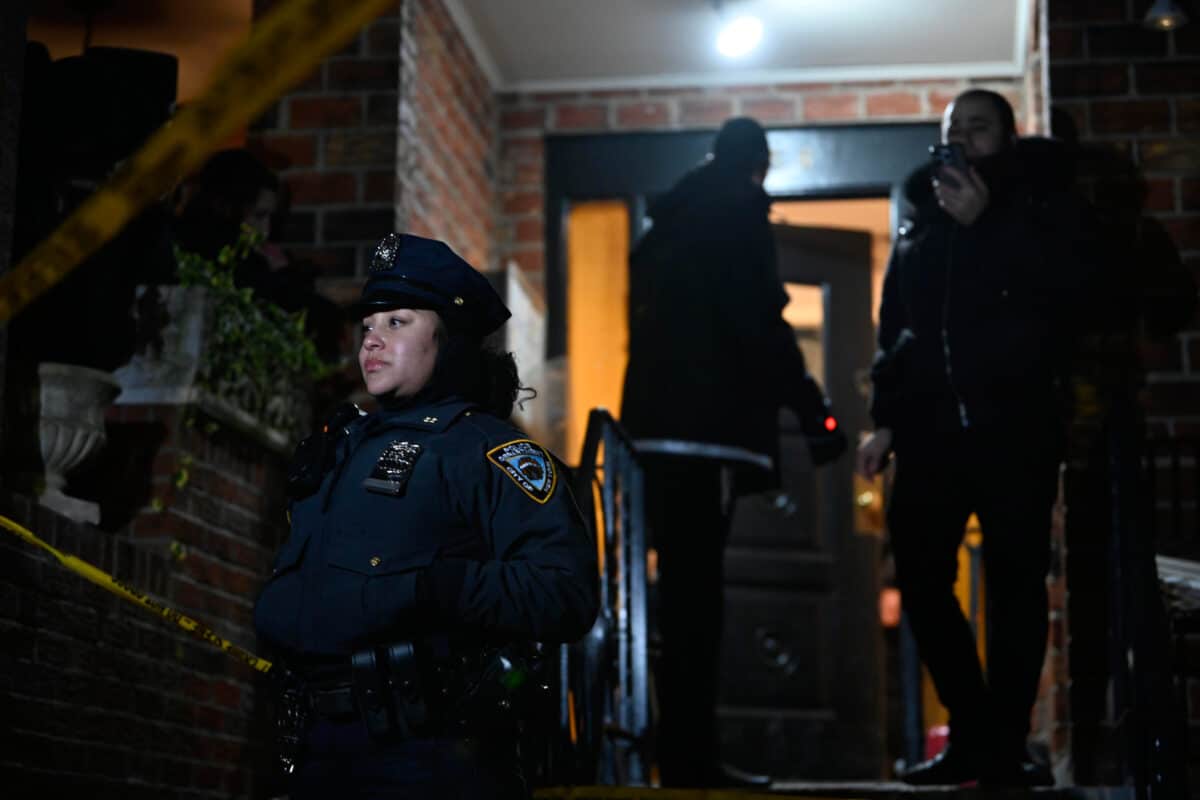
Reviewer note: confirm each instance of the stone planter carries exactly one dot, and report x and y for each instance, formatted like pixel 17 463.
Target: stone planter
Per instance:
pixel 71 405
pixel 175 324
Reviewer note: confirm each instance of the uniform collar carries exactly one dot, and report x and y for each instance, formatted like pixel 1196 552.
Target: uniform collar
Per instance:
pixel 435 416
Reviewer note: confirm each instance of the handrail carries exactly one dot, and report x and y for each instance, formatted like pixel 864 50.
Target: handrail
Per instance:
pixel 608 672
pixel 716 452
pixel 609 679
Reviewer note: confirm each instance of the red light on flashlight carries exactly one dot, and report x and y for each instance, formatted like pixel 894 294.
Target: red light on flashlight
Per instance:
pixel 830 424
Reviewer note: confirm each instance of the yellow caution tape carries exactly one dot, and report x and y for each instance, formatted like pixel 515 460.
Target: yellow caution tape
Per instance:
pixel 106 581
pixel 281 51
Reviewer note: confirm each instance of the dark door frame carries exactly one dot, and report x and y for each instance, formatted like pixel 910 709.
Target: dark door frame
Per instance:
pixel 813 162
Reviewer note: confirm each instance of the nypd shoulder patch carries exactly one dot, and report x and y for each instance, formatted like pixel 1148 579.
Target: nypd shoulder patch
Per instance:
pixel 528 465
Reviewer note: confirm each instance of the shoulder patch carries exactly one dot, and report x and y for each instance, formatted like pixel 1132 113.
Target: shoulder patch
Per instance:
pixel 528 465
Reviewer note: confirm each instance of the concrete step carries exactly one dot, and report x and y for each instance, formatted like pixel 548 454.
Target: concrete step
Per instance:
pixel 841 790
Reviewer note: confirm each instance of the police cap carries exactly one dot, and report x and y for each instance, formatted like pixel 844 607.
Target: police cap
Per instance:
pixel 414 272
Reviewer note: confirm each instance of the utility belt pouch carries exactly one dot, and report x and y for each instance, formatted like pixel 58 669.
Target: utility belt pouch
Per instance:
pixel 388 691
pixel 370 693
pixel 406 690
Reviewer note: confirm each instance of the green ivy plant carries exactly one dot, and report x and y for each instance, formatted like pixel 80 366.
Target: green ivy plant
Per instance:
pixel 252 340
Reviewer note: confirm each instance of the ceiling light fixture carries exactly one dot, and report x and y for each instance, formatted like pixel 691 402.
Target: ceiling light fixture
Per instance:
pixel 739 37
pixel 1165 15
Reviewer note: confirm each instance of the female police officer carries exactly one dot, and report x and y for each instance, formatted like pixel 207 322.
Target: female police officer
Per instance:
pixel 422 535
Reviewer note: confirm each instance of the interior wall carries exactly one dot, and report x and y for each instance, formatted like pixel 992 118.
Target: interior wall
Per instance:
pixel 597 301
pixel 872 214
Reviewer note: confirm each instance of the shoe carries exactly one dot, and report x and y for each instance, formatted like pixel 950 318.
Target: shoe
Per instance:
pixel 953 766
pixel 1025 773
pixel 729 776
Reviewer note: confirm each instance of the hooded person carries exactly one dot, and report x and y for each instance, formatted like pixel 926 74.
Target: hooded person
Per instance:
pixel 711 360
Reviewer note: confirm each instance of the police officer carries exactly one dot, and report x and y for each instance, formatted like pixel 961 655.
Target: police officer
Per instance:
pixel 424 537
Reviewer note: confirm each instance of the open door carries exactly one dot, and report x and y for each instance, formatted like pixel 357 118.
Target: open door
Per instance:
pixel 802 658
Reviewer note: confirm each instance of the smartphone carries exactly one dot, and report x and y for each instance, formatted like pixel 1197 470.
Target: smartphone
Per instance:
pixel 948 155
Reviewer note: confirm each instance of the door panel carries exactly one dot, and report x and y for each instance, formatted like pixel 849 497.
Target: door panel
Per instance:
pixel 777 633
pixel 801 662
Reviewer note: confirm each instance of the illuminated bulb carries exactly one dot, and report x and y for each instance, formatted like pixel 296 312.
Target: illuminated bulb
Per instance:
pixel 739 37
pixel 1165 15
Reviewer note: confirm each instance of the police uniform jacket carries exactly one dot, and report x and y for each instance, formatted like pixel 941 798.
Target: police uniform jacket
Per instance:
pixel 482 537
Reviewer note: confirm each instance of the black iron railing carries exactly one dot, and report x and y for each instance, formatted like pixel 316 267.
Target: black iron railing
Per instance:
pixel 604 704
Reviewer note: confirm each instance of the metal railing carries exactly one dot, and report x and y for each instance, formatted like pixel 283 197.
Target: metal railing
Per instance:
pixel 605 677
pixel 1172 470
pixel 1146 706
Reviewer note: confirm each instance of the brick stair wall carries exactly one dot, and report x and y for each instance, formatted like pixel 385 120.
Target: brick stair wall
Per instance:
pixel 102 697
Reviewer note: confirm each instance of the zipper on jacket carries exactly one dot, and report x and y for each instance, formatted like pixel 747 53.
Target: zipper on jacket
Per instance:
pixel 962 407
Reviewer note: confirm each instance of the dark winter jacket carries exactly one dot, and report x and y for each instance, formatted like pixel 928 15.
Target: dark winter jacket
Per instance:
pixel 710 357
pixel 975 320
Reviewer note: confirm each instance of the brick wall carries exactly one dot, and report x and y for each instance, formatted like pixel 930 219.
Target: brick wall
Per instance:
pixel 333 143
pixel 395 132
pixel 525 119
pixel 448 128
pixel 100 696
pixel 1137 91
pixel 1136 94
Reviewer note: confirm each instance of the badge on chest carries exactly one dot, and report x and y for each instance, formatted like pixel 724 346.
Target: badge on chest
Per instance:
pixel 393 469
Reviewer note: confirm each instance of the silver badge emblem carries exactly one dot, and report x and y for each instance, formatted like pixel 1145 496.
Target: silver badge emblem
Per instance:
pixel 385 253
pixel 393 468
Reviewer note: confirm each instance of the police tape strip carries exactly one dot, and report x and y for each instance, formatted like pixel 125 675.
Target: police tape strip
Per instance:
pixel 106 581
pixel 281 51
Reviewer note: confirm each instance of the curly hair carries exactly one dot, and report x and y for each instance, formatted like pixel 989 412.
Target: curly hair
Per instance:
pixel 476 371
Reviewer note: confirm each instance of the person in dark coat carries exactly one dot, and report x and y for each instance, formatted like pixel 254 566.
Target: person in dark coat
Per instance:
pixel 423 536
pixel 974 329
pixel 235 194
pixel 711 360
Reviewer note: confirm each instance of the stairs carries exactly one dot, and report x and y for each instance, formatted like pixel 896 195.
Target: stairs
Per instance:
pixel 848 790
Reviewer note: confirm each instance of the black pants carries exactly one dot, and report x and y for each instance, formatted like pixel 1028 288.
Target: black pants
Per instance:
pixel 342 760
pixel 1009 480
pixel 688 527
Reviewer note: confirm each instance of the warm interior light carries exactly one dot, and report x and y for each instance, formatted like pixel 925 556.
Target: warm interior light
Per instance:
pixel 739 37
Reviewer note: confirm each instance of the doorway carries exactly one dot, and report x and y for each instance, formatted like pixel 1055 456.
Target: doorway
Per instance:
pixel 597 191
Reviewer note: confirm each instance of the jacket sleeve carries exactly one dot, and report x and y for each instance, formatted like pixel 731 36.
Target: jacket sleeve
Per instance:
pixel 540 581
pixel 885 369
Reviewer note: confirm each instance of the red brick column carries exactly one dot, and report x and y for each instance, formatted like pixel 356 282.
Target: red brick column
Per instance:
pixel 448 124
pixel 333 142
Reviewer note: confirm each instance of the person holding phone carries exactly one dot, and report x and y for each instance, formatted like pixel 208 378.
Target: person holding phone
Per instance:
pixel 972 335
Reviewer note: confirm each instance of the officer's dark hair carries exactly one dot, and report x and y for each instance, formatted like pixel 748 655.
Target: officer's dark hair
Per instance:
pixel 1008 120
pixel 473 369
